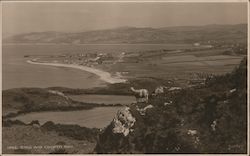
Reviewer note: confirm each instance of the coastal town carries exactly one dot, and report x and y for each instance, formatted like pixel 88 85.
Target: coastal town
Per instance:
pixel 117 67
pixel 85 59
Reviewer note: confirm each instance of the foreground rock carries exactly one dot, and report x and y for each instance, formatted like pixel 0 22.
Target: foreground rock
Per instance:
pixel 123 122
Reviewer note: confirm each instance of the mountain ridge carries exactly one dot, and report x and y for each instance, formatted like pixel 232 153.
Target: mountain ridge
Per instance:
pixel 127 34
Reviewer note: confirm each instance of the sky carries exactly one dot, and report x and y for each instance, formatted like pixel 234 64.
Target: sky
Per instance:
pixel 24 17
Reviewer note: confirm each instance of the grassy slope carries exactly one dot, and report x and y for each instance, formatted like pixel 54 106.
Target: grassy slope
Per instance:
pixel 27 135
pixel 16 133
pixel 24 100
pixel 149 83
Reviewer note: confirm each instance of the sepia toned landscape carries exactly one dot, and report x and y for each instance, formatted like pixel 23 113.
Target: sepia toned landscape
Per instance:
pixel 133 89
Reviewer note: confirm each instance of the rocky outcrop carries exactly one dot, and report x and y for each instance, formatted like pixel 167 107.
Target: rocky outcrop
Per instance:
pixel 140 94
pixel 123 122
pixel 142 111
pixel 208 119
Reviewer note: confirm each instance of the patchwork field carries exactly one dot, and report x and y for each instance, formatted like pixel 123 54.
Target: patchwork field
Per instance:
pixel 177 64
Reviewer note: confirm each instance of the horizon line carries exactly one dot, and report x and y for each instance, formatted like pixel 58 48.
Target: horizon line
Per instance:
pixel 121 27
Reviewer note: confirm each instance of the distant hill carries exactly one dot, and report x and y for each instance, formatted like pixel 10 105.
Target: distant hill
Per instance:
pixel 132 35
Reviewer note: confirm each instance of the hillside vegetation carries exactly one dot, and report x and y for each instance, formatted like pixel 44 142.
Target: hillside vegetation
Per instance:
pixel 25 100
pixel 209 119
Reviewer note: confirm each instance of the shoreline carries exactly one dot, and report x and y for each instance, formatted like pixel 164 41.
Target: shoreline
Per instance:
pixel 105 76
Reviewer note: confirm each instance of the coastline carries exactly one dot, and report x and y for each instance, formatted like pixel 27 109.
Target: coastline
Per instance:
pixel 105 76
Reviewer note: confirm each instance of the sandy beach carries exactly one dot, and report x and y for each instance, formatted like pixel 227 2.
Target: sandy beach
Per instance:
pixel 105 76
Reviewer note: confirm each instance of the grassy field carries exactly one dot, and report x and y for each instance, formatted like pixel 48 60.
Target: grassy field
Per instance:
pixel 103 99
pixel 172 64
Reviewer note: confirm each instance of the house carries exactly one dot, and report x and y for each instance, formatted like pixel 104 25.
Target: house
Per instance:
pixel 197 44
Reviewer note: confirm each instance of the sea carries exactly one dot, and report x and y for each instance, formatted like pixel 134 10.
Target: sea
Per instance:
pixel 18 73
